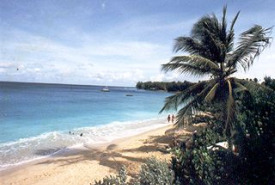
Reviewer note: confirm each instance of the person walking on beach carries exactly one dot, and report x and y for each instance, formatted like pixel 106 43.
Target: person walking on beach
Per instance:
pixel 173 118
pixel 168 118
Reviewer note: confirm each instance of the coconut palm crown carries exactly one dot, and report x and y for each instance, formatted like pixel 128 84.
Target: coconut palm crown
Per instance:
pixel 212 52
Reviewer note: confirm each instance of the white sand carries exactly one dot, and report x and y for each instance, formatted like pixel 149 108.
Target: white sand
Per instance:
pixel 84 165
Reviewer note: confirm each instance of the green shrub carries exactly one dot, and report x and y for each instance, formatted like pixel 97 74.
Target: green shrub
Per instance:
pixel 194 162
pixel 120 179
pixel 155 172
pixel 255 130
pixel 253 160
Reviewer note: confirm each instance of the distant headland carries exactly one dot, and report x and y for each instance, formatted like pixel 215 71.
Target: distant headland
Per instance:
pixel 164 86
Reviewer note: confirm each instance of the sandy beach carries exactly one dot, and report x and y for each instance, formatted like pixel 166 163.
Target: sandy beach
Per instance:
pixel 84 165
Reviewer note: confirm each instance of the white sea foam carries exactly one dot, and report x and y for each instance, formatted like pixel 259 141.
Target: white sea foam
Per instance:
pixel 47 144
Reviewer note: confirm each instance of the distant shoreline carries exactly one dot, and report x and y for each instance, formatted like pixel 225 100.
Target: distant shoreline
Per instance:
pixel 61 84
pixel 164 86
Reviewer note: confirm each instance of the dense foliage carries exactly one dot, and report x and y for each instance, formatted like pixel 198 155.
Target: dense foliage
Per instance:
pixel 120 179
pixel 164 86
pixel 201 161
pixel 252 162
pixel 153 172
pixel 268 81
pixel 255 131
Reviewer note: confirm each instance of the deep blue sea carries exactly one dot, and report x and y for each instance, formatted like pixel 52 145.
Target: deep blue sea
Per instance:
pixel 37 120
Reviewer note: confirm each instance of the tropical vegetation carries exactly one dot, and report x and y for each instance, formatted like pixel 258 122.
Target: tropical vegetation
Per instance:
pixel 212 53
pixel 152 172
pixel 240 112
pixel 164 86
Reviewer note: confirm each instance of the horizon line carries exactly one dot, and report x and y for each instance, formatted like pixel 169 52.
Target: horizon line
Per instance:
pixel 67 84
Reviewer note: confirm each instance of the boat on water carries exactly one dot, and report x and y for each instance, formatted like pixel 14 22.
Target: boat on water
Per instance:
pixel 105 89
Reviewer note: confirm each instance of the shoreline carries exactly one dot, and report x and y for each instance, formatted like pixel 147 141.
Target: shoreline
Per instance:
pixel 98 137
pixel 98 160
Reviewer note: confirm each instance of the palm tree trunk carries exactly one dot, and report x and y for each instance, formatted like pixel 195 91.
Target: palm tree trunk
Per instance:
pixel 229 139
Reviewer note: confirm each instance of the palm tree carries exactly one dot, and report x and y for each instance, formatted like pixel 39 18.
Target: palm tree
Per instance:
pixel 212 53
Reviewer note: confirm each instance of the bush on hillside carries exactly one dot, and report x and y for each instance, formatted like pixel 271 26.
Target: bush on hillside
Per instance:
pixel 120 179
pixel 199 161
pixel 155 172
pixel 152 172
pixel 255 130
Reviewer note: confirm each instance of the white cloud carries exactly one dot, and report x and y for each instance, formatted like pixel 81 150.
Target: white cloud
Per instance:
pixel 44 60
pixel 120 56
pixel 118 77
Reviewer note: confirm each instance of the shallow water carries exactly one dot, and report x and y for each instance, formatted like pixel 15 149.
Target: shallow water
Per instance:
pixel 37 120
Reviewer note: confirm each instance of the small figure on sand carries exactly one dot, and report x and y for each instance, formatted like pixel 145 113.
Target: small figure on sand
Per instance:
pixel 173 118
pixel 81 134
pixel 168 118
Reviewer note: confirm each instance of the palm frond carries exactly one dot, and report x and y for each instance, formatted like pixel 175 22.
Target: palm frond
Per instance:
pixel 230 106
pixel 193 103
pixel 231 34
pixel 211 94
pixel 223 25
pixel 182 112
pixel 172 102
pixel 252 43
pixel 188 44
pixel 240 87
pixel 193 64
pixel 217 46
pixel 208 31
pixel 234 21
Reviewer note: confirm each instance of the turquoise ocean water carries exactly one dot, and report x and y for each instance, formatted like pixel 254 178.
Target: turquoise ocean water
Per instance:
pixel 37 120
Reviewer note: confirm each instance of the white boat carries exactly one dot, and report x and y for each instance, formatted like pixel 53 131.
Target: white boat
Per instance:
pixel 105 89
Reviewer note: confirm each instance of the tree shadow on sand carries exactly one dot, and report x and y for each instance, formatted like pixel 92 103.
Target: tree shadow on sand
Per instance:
pixel 114 157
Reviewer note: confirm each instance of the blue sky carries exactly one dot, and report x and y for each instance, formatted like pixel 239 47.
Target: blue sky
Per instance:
pixel 111 42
